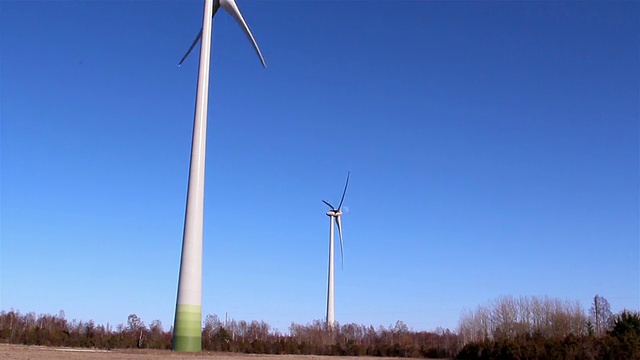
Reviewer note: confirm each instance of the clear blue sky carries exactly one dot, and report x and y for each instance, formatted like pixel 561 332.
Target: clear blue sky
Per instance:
pixel 494 150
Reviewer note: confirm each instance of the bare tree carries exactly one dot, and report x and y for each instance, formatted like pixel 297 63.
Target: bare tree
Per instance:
pixel 136 328
pixel 600 315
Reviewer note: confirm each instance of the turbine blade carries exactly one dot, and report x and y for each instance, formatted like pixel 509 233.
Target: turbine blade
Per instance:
pixel 231 7
pixel 339 223
pixel 193 44
pixel 345 191
pixel 329 205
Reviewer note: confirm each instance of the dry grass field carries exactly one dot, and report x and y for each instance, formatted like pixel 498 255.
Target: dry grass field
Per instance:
pixel 21 352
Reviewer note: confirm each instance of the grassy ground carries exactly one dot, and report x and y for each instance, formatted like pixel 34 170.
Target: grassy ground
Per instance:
pixel 21 352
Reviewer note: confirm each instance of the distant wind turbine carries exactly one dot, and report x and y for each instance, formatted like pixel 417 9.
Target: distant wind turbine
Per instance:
pixel 335 216
pixel 187 327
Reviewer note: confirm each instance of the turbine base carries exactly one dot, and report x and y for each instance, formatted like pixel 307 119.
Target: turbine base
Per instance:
pixel 187 330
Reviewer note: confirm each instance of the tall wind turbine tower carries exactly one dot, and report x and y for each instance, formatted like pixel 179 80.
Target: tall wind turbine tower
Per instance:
pixel 187 326
pixel 335 218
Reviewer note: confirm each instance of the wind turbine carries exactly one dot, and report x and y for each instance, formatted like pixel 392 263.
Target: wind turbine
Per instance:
pixel 335 218
pixel 187 326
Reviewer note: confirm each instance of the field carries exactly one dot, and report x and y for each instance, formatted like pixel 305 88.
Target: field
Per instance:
pixel 21 352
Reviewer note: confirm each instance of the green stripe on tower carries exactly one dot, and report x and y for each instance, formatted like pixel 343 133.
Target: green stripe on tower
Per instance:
pixel 187 330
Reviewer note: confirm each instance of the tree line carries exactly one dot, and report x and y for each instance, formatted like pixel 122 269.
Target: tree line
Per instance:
pixel 235 336
pixel 508 317
pixel 506 328
pixel 544 328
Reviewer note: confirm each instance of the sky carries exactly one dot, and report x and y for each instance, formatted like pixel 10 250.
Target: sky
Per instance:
pixel 493 149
